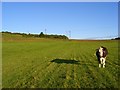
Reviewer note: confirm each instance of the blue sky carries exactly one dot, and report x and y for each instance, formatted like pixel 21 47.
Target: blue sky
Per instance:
pixel 84 19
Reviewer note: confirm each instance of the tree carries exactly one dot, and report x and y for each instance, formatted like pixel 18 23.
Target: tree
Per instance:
pixel 41 34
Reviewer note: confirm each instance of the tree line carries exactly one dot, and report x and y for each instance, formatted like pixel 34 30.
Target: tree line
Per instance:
pixel 118 38
pixel 41 35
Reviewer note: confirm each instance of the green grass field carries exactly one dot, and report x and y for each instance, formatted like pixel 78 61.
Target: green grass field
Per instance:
pixel 44 63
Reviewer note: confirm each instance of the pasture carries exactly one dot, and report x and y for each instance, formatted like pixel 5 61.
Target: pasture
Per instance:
pixel 44 63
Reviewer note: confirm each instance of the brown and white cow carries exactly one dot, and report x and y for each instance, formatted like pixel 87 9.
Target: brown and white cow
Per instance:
pixel 101 54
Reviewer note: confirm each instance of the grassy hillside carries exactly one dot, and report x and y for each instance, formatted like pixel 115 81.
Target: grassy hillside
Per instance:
pixel 6 37
pixel 45 63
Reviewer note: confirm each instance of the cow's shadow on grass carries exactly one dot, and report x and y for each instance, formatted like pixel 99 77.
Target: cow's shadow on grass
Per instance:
pixel 65 61
pixel 68 61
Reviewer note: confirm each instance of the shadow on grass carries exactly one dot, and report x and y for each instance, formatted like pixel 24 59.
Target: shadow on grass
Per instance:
pixel 60 61
pixel 67 61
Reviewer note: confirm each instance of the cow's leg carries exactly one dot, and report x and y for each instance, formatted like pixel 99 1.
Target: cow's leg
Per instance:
pixel 99 65
pixel 103 62
pixel 99 62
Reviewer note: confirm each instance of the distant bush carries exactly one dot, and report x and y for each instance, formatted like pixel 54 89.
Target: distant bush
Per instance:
pixel 42 35
pixel 6 32
pixel 118 38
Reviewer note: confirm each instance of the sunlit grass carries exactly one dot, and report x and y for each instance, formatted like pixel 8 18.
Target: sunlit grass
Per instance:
pixel 29 64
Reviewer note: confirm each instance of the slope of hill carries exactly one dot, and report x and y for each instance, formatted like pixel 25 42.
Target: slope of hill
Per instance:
pixel 8 36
